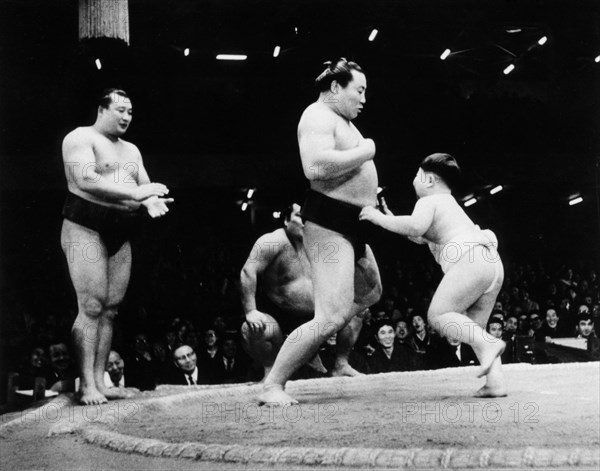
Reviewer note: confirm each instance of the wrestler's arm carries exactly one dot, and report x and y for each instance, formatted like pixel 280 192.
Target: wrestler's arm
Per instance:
pixel 80 166
pixel 413 226
pixel 265 251
pixel 320 159
pixel 155 205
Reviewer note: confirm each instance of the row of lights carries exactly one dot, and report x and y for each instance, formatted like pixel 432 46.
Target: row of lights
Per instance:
pixel 511 67
pixel 371 38
pixel 471 200
pixel 246 201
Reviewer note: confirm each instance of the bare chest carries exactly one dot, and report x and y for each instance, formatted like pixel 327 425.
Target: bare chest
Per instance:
pixel 346 135
pixel 116 160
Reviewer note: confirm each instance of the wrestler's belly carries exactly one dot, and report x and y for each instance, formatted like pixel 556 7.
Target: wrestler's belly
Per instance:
pixel 358 187
pixel 295 297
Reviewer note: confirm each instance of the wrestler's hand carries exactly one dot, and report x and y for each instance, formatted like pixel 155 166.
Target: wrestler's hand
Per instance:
pixel 147 190
pixel 369 147
pixel 384 207
pixel 257 321
pixel 156 206
pixel 369 213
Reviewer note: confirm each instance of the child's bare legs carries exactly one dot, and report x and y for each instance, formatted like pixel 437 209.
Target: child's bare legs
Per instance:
pixel 463 290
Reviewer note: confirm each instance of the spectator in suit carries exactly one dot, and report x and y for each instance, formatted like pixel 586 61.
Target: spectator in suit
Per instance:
pixel 142 369
pixel 185 369
pixel 449 353
pixel 231 367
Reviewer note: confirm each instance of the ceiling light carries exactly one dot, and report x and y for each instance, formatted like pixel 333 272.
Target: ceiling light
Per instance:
pixel 231 57
pixel 98 64
pixel 250 193
pixel 496 189
pixel 186 51
pixel 276 51
pixel 470 202
pixel 509 69
pixel 445 54
pixel 373 35
pixel 576 200
pixel 542 40
pixel 244 206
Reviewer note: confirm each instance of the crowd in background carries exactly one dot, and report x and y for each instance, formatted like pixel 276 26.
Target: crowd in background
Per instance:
pixel 539 303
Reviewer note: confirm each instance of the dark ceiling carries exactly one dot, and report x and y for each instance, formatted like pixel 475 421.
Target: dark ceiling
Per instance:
pixel 205 123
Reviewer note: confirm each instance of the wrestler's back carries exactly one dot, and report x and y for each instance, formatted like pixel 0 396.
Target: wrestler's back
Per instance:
pixel 287 280
pixel 357 186
pixel 117 161
pixel 449 221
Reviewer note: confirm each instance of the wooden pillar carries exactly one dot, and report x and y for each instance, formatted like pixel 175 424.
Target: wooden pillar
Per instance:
pixel 104 19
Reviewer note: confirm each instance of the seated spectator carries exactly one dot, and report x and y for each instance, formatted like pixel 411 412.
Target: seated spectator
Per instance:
pixel 585 326
pixel 523 325
pixel 419 338
pixel 510 327
pixel 62 369
pixel 419 341
pixel 185 369
pixel 142 369
pixel 232 366
pixel 596 318
pixel 115 371
pixel 387 356
pixel 535 326
pixel 35 366
pixel 552 327
pixel 402 331
pixel 449 353
pixel 528 304
pixel 495 327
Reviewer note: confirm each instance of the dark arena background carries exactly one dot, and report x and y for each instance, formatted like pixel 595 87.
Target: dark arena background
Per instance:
pixel 211 130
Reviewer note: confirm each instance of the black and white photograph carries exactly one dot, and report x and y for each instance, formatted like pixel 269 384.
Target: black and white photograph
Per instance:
pixel 299 234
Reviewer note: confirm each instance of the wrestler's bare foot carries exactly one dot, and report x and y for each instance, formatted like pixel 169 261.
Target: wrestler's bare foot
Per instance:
pixel 91 397
pixel 491 352
pixel 492 391
pixel 274 394
pixel 344 370
pixel 317 364
pixel 119 393
pixel 495 385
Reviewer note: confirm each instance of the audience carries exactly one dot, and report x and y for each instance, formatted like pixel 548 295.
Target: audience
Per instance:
pixel 396 338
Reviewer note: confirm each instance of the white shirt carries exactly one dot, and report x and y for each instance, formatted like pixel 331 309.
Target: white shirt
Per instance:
pixel 194 376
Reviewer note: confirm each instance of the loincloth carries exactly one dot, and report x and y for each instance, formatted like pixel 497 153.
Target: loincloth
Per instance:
pixel 337 216
pixel 115 227
pixel 462 246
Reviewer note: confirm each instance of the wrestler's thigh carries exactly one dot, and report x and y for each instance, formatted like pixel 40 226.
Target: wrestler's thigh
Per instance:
pixel 463 285
pixel 367 279
pixel 87 260
pixel 331 259
pixel 480 311
pixel 119 271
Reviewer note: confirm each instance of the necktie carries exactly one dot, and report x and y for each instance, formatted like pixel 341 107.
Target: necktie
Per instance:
pixel 229 364
pixel 191 381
